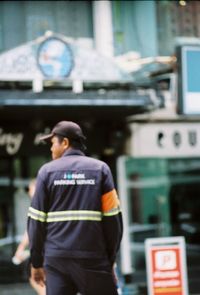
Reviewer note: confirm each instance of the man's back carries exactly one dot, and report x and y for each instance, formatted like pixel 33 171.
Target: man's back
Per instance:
pixel 74 224
pixel 71 190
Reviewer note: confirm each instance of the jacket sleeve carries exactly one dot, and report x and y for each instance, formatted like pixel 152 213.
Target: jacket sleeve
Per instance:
pixel 37 222
pixel 112 216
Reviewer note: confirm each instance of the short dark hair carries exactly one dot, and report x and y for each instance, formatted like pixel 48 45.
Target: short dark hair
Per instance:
pixel 77 144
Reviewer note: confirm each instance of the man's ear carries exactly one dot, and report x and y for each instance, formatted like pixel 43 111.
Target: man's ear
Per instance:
pixel 65 143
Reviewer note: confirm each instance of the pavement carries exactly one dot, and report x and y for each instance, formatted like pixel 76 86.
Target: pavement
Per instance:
pixel 16 289
pixel 25 289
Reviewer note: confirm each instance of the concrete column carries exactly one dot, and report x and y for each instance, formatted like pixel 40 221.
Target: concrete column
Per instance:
pixel 102 27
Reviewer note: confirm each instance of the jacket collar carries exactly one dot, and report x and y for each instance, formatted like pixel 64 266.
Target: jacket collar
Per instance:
pixel 73 151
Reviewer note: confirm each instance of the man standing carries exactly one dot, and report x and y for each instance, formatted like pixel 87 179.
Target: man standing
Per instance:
pixel 74 223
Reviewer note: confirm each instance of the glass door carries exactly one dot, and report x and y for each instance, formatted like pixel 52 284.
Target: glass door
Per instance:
pixel 143 186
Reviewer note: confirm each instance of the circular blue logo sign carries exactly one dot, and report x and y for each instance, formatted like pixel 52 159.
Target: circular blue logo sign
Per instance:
pixel 55 58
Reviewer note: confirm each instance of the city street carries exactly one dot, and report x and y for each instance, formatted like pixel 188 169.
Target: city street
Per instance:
pixel 16 289
pixel 24 288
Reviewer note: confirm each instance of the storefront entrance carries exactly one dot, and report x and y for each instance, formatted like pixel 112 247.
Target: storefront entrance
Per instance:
pixel 161 197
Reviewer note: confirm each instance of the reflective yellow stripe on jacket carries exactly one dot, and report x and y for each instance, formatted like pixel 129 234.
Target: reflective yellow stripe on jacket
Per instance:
pixel 112 212
pixel 37 215
pixel 74 215
pixel 110 203
pixel 64 215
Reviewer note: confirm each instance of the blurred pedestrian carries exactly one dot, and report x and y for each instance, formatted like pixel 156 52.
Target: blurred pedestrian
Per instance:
pixel 22 253
pixel 75 222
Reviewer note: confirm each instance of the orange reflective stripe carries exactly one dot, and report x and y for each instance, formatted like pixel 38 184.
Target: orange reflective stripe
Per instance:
pixel 110 201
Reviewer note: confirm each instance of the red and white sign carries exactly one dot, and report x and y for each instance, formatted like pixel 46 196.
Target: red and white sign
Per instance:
pixel 166 266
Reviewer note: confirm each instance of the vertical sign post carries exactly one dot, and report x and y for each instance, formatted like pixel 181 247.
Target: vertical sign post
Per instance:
pixel 166 266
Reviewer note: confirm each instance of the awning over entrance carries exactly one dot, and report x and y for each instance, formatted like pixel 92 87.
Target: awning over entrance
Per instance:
pixel 106 103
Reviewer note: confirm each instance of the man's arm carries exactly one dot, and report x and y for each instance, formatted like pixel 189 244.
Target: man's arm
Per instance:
pixel 20 254
pixel 113 229
pixel 37 223
pixel 112 216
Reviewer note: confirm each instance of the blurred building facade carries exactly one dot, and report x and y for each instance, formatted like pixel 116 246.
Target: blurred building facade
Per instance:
pixel 119 82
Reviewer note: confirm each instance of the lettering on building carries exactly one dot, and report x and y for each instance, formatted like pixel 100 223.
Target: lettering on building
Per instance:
pixel 11 141
pixel 176 138
pixel 179 139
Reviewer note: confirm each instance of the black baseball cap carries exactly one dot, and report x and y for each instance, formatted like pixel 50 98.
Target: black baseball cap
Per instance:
pixel 67 129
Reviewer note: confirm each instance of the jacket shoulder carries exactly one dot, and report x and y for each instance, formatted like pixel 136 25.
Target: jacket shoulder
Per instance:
pixel 96 163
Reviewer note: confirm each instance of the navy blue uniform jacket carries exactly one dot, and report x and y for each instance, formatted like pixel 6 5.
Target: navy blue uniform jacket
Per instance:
pixel 75 210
